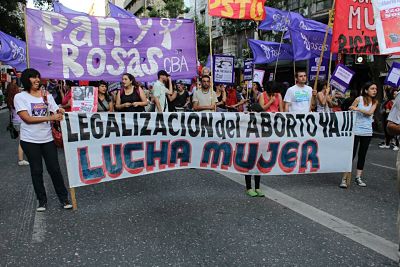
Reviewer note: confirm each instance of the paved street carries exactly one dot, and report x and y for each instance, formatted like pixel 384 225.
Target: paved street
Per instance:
pixel 201 218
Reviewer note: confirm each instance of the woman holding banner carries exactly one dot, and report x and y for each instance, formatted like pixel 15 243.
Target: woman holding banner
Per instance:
pixel 131 97
pixel 364 107
pixel 33 106
pixel 324 99
pixel 105 102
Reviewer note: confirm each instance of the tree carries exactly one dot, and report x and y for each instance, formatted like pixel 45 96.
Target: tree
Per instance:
pixel 203 42
pixel 11 16
pixel 175 8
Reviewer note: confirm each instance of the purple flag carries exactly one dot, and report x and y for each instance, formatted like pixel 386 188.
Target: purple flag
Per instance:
pixel 308 44
pixel 65 46
pixel 60 8
pixel 279 20
pixel 117 12
pixel 12 51
pixel 267 52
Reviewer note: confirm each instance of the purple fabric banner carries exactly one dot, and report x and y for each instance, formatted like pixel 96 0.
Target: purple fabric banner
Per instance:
pixel 65 46
pixel 279 20
pixel 117 12
pixel 60 8
pixel 308 44
pixel 12 51
pixel 267 52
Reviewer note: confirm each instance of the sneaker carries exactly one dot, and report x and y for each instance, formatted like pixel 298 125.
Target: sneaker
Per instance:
pixel 395 148
pixel 67 205
pixel 251 193
pixel 343 184
pixel 41 207
pixel 23 163
pixel 360 182
pixel 260 193
pixel 384 146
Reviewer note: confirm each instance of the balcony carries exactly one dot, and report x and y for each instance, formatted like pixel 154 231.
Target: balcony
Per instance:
pixel 134 5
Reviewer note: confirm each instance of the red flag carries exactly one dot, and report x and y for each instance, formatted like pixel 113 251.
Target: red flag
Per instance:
pixel 237 9
pixel 354 28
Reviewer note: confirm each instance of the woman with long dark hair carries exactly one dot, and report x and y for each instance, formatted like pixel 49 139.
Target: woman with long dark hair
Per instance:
pixel 131 97
pixel 105 102
pixel 364 107
pixel 271 98
pixel 33 106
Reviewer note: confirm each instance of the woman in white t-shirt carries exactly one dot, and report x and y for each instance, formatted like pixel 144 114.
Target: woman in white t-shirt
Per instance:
pixel 33 106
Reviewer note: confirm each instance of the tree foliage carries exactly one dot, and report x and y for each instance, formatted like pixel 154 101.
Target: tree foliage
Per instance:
pixel 12 18
pixel 203 42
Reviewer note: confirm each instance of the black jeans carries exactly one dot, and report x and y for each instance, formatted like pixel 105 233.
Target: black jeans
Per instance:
pixel 362 151
pixel 47 151
pixel 256 181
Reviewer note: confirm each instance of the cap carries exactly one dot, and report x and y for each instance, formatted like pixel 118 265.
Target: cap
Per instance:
pixel 163 72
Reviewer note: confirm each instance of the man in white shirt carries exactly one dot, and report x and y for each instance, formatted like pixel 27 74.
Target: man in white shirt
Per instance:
pixel 160 91
pixel 205 99
pixel 299 97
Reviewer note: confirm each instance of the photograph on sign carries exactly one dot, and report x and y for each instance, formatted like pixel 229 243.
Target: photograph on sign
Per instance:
pixel 223 69
pixel 258 76
pixel 84 98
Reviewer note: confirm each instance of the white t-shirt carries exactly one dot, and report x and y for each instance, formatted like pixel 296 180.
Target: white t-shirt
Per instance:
pixel 204 99
pixel 394 115
pixel 160 91
pixel 299 98
pixel 38 133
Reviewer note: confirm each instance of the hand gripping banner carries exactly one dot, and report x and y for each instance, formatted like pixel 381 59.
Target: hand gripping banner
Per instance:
pixel 80 47
pixel 102 147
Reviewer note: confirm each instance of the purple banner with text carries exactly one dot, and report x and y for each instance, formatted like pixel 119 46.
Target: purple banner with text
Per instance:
pixel 78 47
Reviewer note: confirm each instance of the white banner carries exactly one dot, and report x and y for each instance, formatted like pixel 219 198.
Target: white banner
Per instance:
pixel 101 147
pixel 387 21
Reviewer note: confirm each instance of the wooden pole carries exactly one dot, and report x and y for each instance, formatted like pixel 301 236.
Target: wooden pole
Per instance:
pixel 73 198
pixel 26 39
pixel 323 46
pixel 211 60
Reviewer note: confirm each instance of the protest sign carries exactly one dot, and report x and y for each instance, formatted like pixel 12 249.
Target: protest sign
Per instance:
pixel 313 68
pixel 67 46
pixel 223 69
pixel 109 146
pixel 393 77
pixel 248 69
pixel 387 20
pixel 354 28
pixel 268 52
pixel 239 9
pixel 341 78
pixel 258 76
pixel 12 51
pixel 84 98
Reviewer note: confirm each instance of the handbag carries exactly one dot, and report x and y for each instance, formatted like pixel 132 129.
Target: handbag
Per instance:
pixel 13 132
pixel 55 126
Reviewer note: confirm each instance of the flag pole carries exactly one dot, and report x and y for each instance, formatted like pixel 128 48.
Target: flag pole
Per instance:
pixel 330 23
pixel 323 46
pixel 280 45
pixel 211 59
pixel 26 39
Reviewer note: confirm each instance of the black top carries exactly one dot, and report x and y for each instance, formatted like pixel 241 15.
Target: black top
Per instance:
pixel 219 98
pixel 134 97
pixel 180 99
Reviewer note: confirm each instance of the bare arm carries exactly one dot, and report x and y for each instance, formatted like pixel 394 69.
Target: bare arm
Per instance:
pixel 196 107
pixel 28 119
pixel 287 104
pixel 265 106
pixel 281 107
pixel 143 99
pixel 393 128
